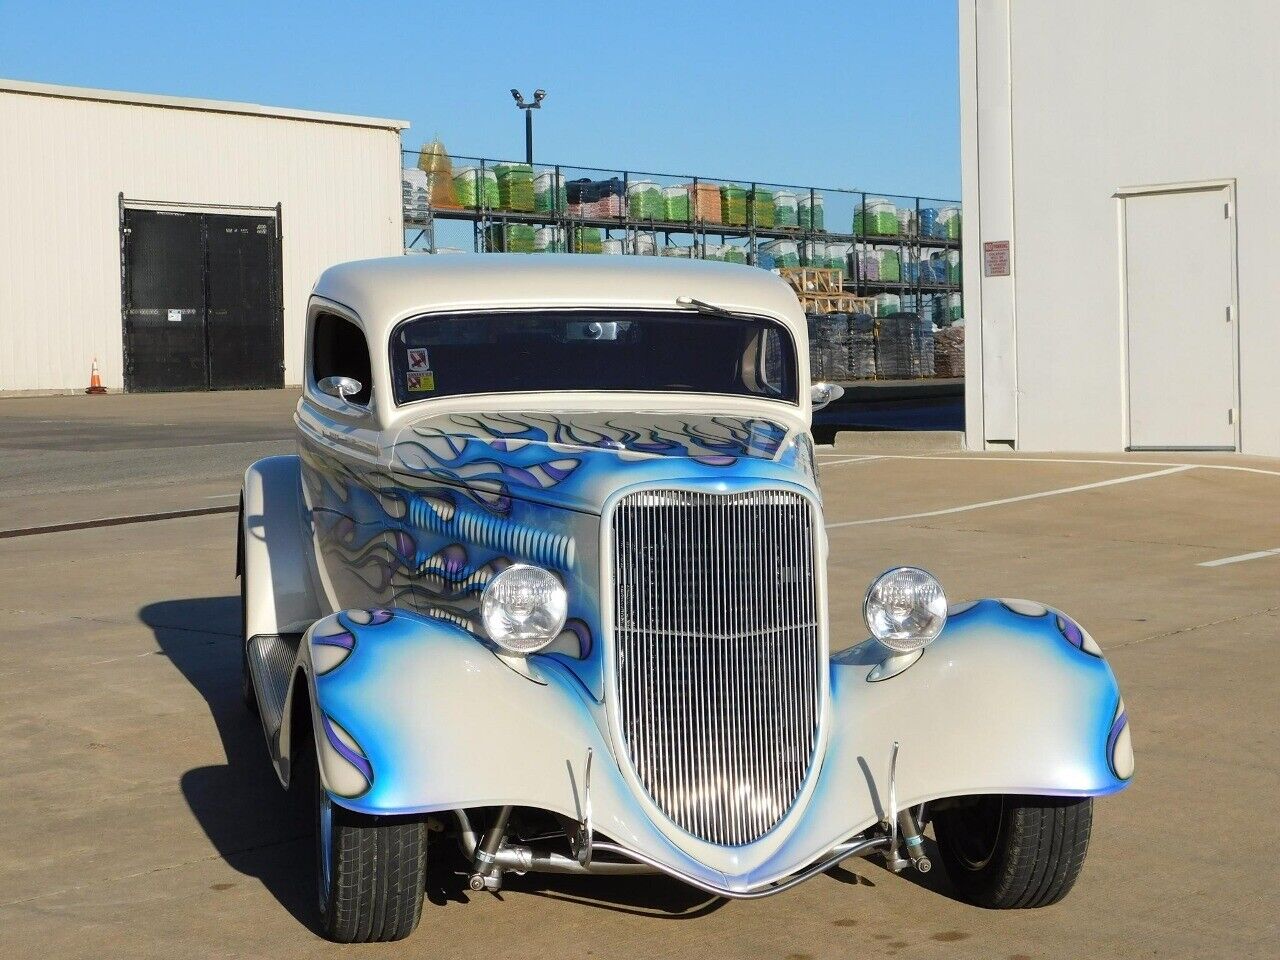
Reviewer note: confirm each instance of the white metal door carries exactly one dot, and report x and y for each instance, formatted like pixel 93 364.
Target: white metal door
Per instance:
pixel 1179 261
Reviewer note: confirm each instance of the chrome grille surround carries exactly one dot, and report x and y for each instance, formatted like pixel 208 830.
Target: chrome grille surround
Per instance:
pixel 719 653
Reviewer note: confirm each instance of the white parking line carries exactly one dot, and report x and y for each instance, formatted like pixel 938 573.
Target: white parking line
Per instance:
pixel 836 463
pixel 222 496
pixel 981 458
pixel 1240 558
pixel 1026 496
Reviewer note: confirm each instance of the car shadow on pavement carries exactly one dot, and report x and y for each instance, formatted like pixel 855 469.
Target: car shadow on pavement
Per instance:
pixel 247 817
pixel 255 827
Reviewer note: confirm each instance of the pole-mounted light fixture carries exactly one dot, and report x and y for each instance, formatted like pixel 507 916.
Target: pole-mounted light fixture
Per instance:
pixel 527 106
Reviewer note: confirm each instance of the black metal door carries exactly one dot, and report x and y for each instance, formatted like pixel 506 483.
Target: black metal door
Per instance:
pixel 164 312
pixel 201 298
pixel 245 333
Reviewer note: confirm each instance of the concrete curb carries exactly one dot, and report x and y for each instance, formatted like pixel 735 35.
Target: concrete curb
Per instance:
pixel 899 441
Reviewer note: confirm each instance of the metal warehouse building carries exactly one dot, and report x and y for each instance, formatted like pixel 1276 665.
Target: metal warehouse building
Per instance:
pixel 1122 224
pixel 176 240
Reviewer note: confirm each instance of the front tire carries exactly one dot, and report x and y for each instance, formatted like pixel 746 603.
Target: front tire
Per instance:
pixel 370 871
pixel 1006 852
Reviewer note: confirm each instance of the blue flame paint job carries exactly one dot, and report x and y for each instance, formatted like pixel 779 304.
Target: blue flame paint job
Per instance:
pixel 465 496
pixel 1042 721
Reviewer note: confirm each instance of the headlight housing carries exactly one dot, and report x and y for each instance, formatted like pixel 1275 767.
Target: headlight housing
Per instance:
pixel 905 609
pixel 523 608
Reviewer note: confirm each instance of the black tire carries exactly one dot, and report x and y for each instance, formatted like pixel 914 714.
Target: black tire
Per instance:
pixel 1007 852
pixel 376 871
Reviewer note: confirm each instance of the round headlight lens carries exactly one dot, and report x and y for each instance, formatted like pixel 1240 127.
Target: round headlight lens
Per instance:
pixel 524 608
pixel 905 609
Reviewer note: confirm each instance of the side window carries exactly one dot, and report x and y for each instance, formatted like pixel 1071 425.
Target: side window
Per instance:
pixel 338 349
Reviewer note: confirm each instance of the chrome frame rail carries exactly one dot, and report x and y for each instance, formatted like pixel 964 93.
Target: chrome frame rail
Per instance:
pixel 842 851
pixel 523 859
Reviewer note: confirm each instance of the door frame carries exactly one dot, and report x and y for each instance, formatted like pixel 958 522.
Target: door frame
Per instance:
pixel 133 203
pixel 1192 186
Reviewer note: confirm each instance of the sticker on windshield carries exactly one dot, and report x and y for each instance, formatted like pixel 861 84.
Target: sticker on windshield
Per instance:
pixel 423 382
pixel 419 361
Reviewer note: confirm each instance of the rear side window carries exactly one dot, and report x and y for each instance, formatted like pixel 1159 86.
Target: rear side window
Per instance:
pixel 338 349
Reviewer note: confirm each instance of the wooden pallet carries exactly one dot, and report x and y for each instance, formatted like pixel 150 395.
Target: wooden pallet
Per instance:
pixel 833 303
pixel 813 280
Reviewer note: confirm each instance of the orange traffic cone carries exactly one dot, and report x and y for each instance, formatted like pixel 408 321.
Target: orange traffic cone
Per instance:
pixel 95 379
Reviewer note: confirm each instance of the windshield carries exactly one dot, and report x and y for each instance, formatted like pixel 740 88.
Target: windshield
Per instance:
pixel 445 355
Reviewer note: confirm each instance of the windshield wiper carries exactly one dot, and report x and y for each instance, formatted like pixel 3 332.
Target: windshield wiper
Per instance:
pixel 689 303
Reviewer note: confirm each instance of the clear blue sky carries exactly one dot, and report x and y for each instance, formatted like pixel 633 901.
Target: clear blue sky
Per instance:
pixel 839 93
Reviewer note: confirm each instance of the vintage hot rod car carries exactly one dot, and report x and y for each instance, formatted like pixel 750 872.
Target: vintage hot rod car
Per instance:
pixel 547 579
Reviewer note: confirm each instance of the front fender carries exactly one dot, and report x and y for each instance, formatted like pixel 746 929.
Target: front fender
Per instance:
pixel 413 714
pixel 1013 697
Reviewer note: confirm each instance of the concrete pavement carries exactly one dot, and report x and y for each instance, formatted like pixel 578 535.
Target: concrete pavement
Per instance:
pixel 139 816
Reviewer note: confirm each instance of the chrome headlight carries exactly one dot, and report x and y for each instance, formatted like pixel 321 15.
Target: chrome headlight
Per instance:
pixel 523 608
pixel 905 609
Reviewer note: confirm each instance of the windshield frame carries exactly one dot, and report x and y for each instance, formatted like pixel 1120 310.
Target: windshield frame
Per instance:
pixel 794 400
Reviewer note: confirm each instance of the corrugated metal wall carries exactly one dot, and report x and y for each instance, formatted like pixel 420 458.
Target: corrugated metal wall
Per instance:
pixel 64 164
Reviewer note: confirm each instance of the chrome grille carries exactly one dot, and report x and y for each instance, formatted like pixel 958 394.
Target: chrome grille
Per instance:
pixel 718 654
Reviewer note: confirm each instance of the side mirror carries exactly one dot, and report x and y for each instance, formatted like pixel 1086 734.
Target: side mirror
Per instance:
pixel 821 394
pixel 340 387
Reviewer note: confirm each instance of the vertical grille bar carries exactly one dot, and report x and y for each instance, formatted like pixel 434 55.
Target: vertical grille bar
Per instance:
pixel 718 654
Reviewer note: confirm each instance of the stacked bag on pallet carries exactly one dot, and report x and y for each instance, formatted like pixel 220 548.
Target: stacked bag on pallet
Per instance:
pixel 595 199
pixel 476 188
pixel 810 209
pixel 868 264
pixel 781 253
pixel 929 222
pixel 829 346
pixel 949 223
pixel 509 238
pixel 813 253
pixel 706 203
pixel 549 240
pixel 786 211
pixel 762 207
pixel 838 257
pixel 549 194
pixel 733 204
pixel 883 304
pixel 415 194
pixel 641 244
pixel 515 187
pixel 645 201
pixel 948 352
pixel 675 203
pixel 587 240
pixel 877 217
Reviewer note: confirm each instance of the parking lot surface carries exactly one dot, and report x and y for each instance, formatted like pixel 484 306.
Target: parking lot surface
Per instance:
pixel 140 817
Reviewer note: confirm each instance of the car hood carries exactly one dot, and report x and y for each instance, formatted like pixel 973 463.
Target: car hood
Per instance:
pixel 579 460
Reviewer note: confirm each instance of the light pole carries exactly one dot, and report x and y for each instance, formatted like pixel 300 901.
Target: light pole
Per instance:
pixel 528 108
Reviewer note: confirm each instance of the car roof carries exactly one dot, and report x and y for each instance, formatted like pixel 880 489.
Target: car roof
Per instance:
pixel 383 292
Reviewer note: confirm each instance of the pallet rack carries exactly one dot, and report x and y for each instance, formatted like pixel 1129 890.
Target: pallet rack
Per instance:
pixel 420 225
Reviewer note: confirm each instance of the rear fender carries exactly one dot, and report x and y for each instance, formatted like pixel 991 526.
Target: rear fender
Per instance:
pixel 278 580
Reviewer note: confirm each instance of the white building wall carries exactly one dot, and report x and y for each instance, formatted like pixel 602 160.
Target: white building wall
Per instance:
pixel 65 160
pixel 1097 96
